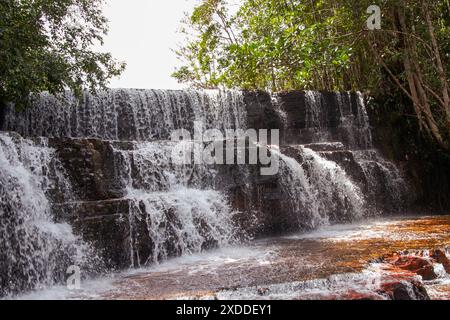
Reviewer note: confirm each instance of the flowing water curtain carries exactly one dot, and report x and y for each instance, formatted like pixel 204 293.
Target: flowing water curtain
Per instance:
pixel 318 190
pixel 179 222
pixel 35 250
pixel 127 114
pixel 173 209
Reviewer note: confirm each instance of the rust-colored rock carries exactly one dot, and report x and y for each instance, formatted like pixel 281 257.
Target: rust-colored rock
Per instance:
pixel 418 265
pixel 357 295
pixel 440 257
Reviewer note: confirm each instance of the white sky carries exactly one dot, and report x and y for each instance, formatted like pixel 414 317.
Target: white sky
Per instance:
pixel 143 34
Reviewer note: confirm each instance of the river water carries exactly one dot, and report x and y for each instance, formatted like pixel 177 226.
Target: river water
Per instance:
pixel 334 262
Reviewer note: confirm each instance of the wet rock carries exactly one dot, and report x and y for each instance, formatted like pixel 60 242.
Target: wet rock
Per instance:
pixel 326 146
pixel 306 114
pixel 263 291
pixel 261 113
pixel 404 290
pixel 105 224
pixel 440 257
pixel 90 165
pixel 101 213
pixel 358 295
pixel 418 265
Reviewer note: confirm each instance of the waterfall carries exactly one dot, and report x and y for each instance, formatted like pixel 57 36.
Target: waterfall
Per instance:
pixel 178 222
pixel 100 168
pixel 318 190
pixel 386 186
pixel 312 117
pixel 174 205
pixel 335 128
pixel 35 250
pixel 127 114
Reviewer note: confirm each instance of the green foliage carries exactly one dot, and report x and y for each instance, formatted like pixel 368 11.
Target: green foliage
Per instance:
pixel 46 45
pixel 298 44
pixel 269 44
pixel 325 45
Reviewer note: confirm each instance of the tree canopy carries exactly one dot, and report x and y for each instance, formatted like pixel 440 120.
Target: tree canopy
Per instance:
pixel 46 45
pixel 325 45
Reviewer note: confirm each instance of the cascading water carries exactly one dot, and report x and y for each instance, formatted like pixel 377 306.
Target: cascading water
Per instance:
pixel 35 250
pixel 181 221
pixel 313 117
pixel 385 184
pixel 119 164
pixel 354 124
pixel 140 115
pixel 335 132
pixel 300 192
pixel 175 204
pixel 318 190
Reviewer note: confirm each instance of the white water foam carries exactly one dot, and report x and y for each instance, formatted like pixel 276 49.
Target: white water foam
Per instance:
pixel 35 250
pixel 181 221
pixel 318 188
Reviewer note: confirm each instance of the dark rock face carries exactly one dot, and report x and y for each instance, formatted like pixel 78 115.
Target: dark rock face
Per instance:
pixel 423 162
pixel 310 117
pixel 105 224
pixel 261 111
pixel 2 115
pixel 91 166
pixel 318 117
pixel 404 290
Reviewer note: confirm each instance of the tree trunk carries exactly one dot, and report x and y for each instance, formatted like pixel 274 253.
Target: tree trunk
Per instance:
pixel 409 74
pixel 439 64
pixel 420 99
pixel 426 109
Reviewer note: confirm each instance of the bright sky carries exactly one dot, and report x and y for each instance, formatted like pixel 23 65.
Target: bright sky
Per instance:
pixel 143 34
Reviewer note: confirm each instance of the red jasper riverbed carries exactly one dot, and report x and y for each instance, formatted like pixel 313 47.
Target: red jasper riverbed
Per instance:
pixel 366 260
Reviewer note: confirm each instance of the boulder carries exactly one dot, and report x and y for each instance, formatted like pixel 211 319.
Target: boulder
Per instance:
pixel 404 290
pixel 440 257
pixel 418 265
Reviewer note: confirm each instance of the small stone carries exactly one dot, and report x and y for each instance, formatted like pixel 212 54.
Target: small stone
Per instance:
pixel 263 291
